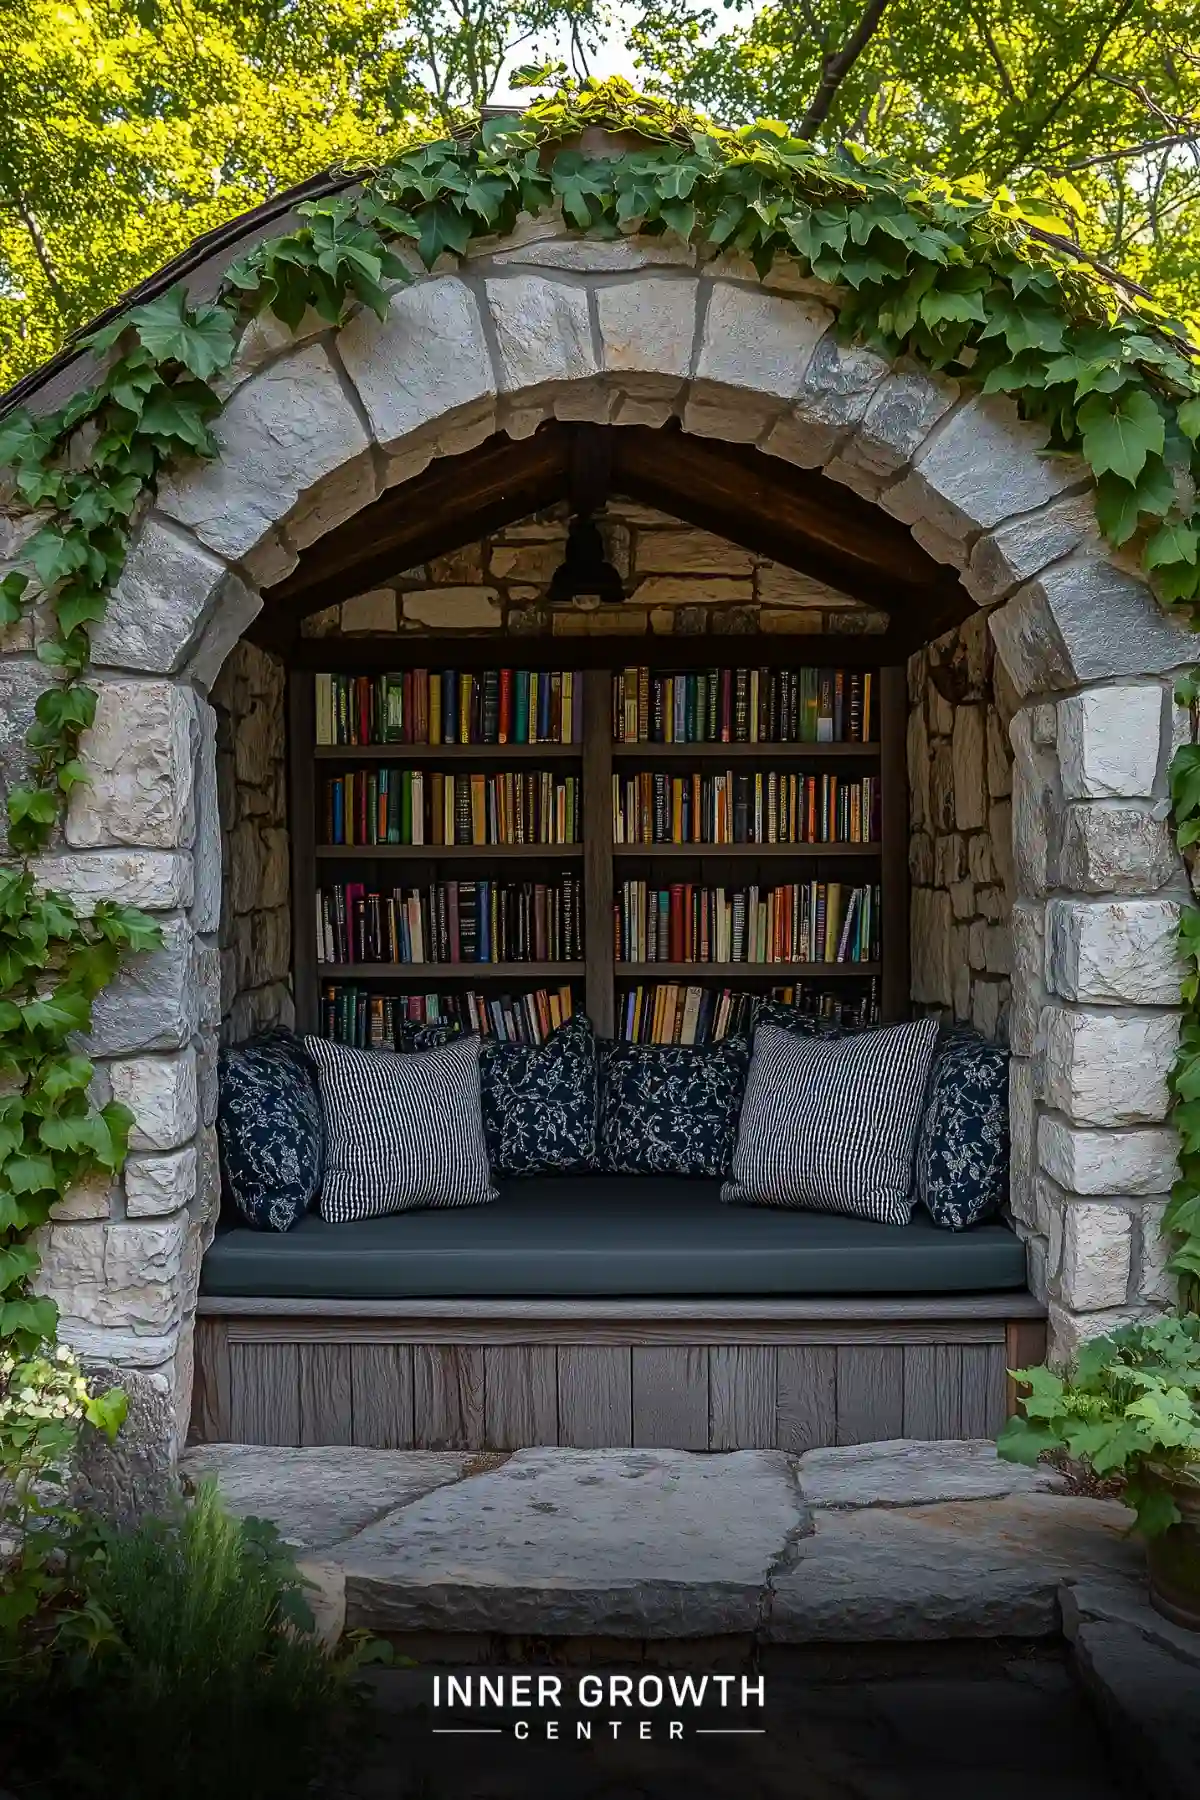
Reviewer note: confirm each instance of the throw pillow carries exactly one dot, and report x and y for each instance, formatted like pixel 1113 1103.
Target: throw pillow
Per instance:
pixel 796 1020
pixel 833 1126
pixel 400 1131
pixel 269 1135
pixel 539 1102
pixel 962 1149
pixel 670 1110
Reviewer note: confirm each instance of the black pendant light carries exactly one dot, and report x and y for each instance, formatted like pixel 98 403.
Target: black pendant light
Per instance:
pixel 585 578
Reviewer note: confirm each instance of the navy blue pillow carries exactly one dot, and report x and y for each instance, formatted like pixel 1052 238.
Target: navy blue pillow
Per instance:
pixel 539 1100
pixel 963 1147
pixel 671 1109
pixel 797 1021
pixel 269 1131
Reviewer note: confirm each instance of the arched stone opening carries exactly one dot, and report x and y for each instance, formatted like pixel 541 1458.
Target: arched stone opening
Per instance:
pixel 323 436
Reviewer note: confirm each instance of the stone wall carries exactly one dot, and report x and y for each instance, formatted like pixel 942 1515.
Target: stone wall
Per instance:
pixel 960 844
pixel 255 932
pixel 677 580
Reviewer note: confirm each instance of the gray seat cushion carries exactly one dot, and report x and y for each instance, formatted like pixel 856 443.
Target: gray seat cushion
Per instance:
pixel 599 1236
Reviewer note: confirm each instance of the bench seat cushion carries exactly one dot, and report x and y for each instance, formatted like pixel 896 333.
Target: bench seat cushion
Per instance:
pixel 603 1236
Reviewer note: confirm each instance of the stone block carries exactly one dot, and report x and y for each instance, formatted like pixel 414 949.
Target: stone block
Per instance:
pixel 586 256
pixel 679 590
pixel 941 790
pixel 279 435
pixel 913 1472
pixel 1108 1068
pixel 206 853
pixel 160 1091
pixel 691 552
pixel 917 746
pixel 1022 1124
pixel 139 755
pixel 158 1185
pixel 967 756
pixel 1122 950
pixel 427 358
pixel 999 757
pixel 931 926
pixel 91 1198
pixel 1121 848
pixel 978 466
pixel 1004 558
pixel 155 880
pixel 987 1009
pixel 1097 1239
pixel 837 388
pixel 1153 1281
pixel 901 413
pixel 160 602
pixel 1083 620
pixel 1036 811
pixel 1088 1161
pixel 133 1476
pixel 373 611
pixel 756 341
pixel 454 609
pixel 779 586
pixel 153 1001
pixel 1068 1331
pixel 542 332
pixel 20 685
pixel 237 607
pixel 1108 742
pixel 337 498
pixel 647 326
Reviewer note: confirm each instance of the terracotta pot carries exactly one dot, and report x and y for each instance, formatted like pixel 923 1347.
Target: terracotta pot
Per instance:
pixel 1174 1561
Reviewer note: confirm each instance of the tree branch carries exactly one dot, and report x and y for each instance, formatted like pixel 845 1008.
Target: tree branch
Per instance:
pixel 1175 141
pixel 42 252
pixel 837 65
pixel 993 50
pixel 1024 146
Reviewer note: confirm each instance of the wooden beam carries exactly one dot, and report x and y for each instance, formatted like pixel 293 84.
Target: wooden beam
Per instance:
pixel 488 650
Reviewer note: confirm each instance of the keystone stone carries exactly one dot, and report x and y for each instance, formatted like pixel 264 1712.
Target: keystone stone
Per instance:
pixel 542 332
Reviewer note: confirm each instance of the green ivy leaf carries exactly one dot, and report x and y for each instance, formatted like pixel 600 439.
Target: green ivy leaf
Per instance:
pixel 201 340
pixel 1173 542
pixel 1187 418
pixel 1120 433
pixel 1120 507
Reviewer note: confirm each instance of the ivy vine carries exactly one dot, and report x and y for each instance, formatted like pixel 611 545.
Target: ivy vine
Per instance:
pixel 968 282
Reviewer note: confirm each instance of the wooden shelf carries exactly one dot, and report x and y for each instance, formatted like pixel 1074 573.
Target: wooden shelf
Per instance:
pixel 443 852
pixel 741 971
pixel 710 851
pixel 741 752
pixel 459 971
pixel 436 753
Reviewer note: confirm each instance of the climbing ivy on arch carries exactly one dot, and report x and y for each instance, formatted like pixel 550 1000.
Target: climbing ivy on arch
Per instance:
pixel 969 282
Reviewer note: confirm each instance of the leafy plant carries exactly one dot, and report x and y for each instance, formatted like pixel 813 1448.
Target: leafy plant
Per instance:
pixel 186 1665
pixel 1131 1408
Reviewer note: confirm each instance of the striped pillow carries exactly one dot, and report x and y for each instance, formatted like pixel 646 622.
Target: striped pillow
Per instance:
pixel 400 1131
pixel 833 1126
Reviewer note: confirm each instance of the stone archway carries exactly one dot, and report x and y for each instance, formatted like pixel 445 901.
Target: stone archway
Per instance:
pixel 547 325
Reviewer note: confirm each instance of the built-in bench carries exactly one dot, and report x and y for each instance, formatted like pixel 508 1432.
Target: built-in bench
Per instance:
pixel 610 1310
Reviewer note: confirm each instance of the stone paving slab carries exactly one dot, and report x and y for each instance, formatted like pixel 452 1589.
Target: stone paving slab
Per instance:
pixel 576 1543
pixel 911 1472
pixel 323 1494
pixel 982 1568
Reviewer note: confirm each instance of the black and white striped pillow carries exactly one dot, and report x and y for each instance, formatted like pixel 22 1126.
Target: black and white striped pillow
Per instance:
pixel 833 1126
pixel 400 1131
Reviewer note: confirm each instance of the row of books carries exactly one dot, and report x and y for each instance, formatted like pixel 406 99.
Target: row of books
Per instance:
pixel 354 1015
pixel 450 706
pixel 743 706
pixel 671 1014
pixel 452 922
pixel 811 921
pixel 419 806
pixel 766 807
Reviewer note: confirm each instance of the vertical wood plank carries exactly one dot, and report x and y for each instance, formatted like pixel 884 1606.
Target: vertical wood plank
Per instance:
pixel 302 837
pixel 983 1389
pixel 448 1388
pixel 670 1396
pixel 211 1421
pixel 741 1382
pixel 520 1396
pixel 1024 1348
pixel 264 1389
pixel 893 864
pixel 326 1396
pixel 381 1393
pixel 870 1393
pixel 932 1391
pixel 594 1396
pixel 597 849
pixel 806 1396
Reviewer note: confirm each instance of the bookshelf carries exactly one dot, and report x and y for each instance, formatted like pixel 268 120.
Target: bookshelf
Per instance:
pixel 599 867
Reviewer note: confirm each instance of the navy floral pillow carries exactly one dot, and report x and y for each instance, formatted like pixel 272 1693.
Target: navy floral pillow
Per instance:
pixel 539 1102
pixel 962 1149
pixel 795 1020
pixel 671 1109
pixel 269 1130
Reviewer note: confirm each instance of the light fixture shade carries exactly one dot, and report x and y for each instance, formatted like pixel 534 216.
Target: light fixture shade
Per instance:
pixel 584 574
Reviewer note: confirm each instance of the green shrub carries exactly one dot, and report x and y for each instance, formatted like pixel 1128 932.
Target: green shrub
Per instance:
pixel 1130 1408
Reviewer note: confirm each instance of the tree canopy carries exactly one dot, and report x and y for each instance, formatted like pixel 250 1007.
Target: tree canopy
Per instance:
pixel 129 127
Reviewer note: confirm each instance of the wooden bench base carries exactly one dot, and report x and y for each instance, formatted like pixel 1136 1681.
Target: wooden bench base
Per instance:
pixel 718 1375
